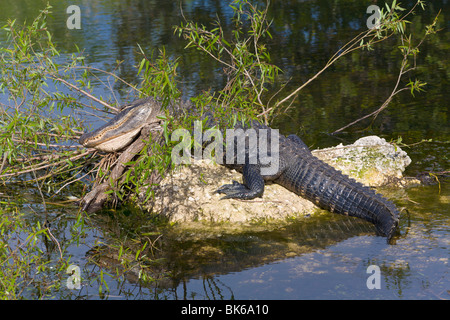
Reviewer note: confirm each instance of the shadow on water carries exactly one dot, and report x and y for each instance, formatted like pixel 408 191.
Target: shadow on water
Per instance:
pixel 194 253
pixel 316 257
pixel 321 256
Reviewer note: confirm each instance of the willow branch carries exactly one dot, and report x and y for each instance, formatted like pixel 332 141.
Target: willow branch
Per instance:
pixel 44 166
pixel 87 94
pixel 350 46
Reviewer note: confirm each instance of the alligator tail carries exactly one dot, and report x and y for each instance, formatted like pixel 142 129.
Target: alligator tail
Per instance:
pixel 331 190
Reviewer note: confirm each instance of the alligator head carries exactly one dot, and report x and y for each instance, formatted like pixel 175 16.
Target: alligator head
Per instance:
pixel 120 131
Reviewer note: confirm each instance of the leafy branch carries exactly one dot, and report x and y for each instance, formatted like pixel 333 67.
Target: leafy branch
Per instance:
pixel 409 51
pixel 245 59
pixel 389 24
pixel 36 134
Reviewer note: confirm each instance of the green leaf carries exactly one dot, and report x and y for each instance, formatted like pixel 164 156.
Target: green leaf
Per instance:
pixel 141 65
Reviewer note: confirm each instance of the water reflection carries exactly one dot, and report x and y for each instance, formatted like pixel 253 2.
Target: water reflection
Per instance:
pixel 324 256
pixel 185 254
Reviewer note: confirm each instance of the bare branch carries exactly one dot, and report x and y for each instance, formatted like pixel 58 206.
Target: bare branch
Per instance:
pixel 87 94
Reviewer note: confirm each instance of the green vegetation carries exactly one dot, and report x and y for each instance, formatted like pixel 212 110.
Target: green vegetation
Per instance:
pixel 245 57
pixel 38 126
pixel 33 262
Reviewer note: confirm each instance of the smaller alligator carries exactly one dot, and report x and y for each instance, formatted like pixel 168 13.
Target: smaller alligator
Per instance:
pixel 298 171
pixel 120 131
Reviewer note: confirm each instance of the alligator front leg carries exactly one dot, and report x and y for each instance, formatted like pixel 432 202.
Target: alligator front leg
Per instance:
pixel 252 187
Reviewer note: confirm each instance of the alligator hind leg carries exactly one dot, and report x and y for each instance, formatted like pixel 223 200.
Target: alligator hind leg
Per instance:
pixel 252 187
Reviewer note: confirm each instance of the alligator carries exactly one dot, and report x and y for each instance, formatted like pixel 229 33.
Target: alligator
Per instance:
pixel 298 170
pixel 120 131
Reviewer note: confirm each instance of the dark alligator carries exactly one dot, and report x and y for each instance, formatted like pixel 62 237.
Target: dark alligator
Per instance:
pixel 304 174
pixel 298 171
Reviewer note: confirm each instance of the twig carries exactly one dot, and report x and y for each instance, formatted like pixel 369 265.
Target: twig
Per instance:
pixel 87 94
pixel 350 46
pixel 333 59
pixel 110 73
pixel 376 112
pixel 5 157
pixel 401 73
pixel 43 144
pixel 32 168
pixel 45 209
pixel 70 182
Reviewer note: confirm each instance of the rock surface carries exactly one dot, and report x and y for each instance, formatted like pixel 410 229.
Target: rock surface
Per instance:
pixel 370 160
pixel 187 194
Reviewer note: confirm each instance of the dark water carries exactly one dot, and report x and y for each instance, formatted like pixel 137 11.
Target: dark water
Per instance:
pixel 323 257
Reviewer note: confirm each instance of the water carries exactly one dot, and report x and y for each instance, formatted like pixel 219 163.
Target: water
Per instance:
pixel 325 257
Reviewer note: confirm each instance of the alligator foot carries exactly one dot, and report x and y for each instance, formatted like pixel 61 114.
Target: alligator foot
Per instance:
pixel 231 190
pixel 238 191
pixel 252 187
